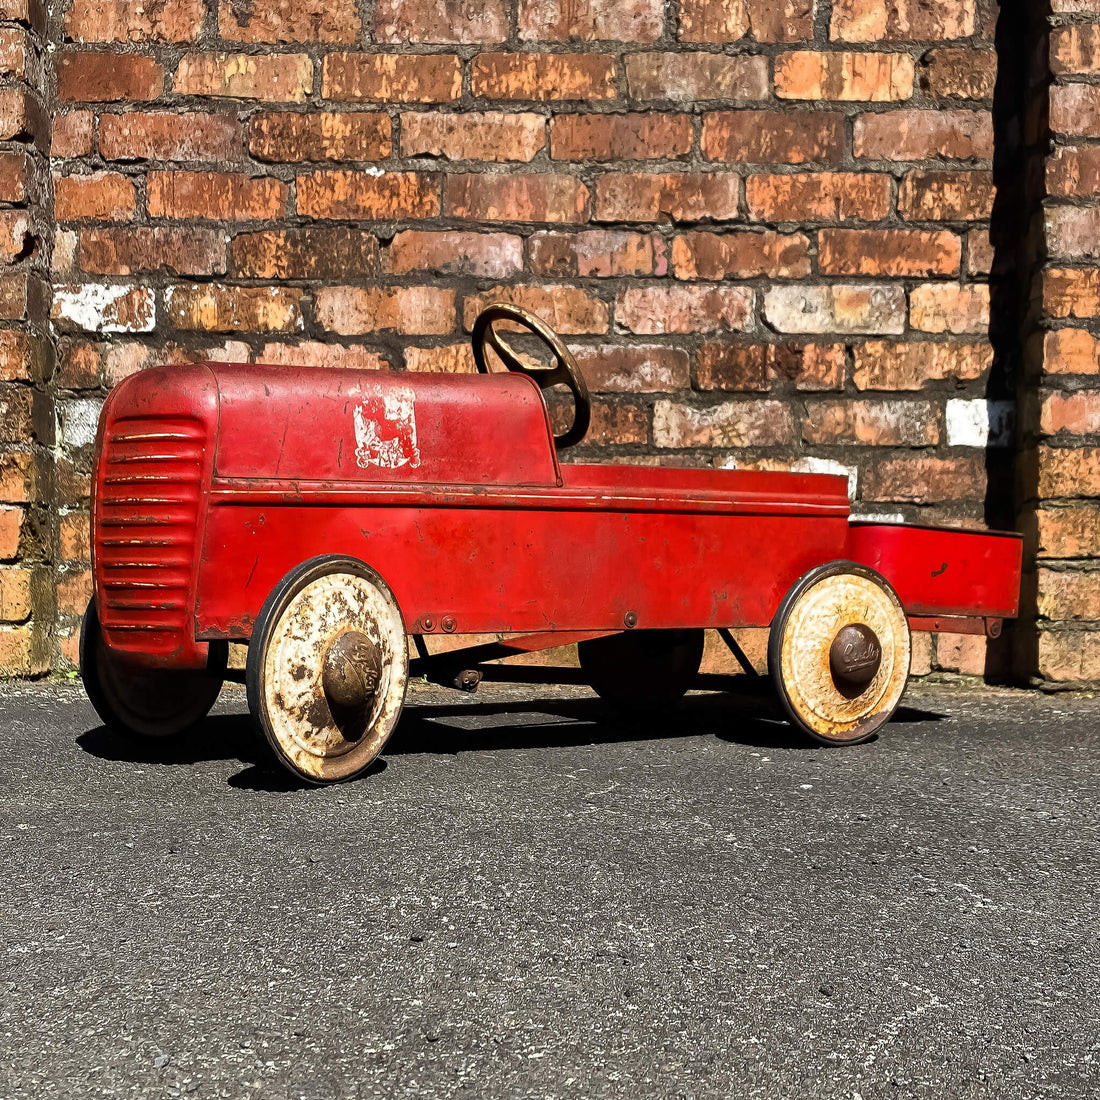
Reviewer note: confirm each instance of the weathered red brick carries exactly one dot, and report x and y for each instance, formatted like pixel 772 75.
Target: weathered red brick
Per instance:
pixel 657 136
pixel 946 196
pixel 315 353
pixel 688 78
pixel 1071 292
pixel 598 252
pixel 845 308
pixel 1069 656
pixel 485 255
pixel 216 308
pixel 274 77
pixel 214 196
pixel 442 21
pixel 448 359
pixel 1076 413
pixel 818 196
pixel 103 77
pixel 75 541
pixel 624 368
pixel 1071 532
pixel 959 73
pixel 865 77
pixel 1075 49
pixel 185 251
pixel 105 196
pixel 71 135
pixel 289 136
pixel 391 78
pixel 289 21
pixel 1073 171
pixel 347 194
pixel 1068 595
pixel 731 20
pixel 880 365
pixel 881 423
pixel 652 310
pixel 731 424
pixel 740 255
pixel 981 255
pixel 543 76
pixel 11 524
pixel 569 310
pixel 23 357
pixel 918 135
pixel 17 177
pixel 896 252
pixel 924 479
pixel 18 483
pixel 79 365
pixel 1071 351
pixel 945 307
pixel 1068 472
pixel 1075 109
pixel 668 196
pixel 1073 232
pixel 17 57
pixel 166 135
pixel 480 135
pixel 408 310
pixel 608 20
pixel 902 20
pixel 23 297
pixel 755 366
pixel 17 235
pixel 774 137
pixel 126 21
pixel 517 198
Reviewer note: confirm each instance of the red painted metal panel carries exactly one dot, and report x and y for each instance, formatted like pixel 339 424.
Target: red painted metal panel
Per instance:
pixel 155 454
pixel 518 569
pixel 944 571
pixel 380 426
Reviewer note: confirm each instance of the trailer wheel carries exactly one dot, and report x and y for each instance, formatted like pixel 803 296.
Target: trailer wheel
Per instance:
pixel 146 702
pixel 642 668
pixel 838 652
pixel 327 668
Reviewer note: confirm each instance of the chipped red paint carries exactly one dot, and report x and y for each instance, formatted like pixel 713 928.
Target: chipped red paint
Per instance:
pixel 213 481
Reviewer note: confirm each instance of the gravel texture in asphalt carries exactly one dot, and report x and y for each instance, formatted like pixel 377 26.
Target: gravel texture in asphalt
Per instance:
pixel 528 897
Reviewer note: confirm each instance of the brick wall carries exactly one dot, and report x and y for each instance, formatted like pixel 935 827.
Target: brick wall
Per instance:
pixel 26 352
pixel 776 232
pixel 1060 464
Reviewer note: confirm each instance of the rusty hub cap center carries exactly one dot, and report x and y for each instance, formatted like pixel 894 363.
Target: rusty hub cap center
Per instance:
pixel 350 671
pixel 854 657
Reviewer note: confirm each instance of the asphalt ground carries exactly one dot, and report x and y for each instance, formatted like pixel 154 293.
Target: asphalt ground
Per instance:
pixel 531 898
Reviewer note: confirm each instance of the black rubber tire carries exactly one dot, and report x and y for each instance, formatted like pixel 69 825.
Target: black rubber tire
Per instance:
pixel 142 702
pixel 642 668
pixel 271 612
pixel 775 645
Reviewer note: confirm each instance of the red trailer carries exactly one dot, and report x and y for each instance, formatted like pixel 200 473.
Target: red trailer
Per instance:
pixel 324 517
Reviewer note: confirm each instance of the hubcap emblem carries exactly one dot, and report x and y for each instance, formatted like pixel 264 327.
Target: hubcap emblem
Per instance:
pixel 854 657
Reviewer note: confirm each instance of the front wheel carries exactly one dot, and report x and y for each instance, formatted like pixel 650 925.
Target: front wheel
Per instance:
pixel 146 702
pixel 327 668
pixel 838 652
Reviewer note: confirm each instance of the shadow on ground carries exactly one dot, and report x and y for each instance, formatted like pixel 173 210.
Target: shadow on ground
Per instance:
pixel 749 716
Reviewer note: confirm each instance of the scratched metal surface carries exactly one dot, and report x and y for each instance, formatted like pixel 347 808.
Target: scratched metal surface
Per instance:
pixel 531 899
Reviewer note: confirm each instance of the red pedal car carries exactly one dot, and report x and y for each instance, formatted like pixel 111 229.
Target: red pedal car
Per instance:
pixel 325 516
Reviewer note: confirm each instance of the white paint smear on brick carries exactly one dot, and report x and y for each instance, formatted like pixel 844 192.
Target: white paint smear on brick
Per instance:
pixel 91 307
pixel 979 423
pixel 78 423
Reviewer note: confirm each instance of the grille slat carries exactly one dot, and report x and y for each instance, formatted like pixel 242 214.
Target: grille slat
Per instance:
pixel 147 515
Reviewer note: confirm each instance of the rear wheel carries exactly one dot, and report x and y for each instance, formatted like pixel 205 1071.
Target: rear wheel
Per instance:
pixel 327 668
pixel 838 652
pixel 146 702
pixel 641 668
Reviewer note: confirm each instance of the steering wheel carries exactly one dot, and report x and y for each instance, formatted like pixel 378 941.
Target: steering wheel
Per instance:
pixel 566 372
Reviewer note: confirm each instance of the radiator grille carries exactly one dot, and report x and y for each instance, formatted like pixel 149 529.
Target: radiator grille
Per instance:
pixel 147 510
